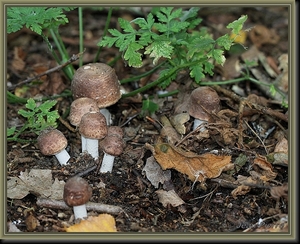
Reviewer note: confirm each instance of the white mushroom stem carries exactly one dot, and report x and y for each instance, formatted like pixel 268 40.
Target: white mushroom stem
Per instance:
pixel 80 211
pixel 91 146
pixel 197 123
pixel 63 157
pixel 107 115
pixel 107 163
pixel 83 144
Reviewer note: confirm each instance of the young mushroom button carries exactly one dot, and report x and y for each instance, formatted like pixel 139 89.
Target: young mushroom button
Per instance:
pixel 93 127
pixel 53 142
pixel 203 102
pixel 97 81
pixel 77 193
pixel 112 146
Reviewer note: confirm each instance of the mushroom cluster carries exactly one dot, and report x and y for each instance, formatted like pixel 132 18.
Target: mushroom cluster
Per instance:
pixel 78 108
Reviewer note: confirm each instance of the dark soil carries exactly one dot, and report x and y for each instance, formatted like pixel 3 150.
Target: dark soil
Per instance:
pixel 208 207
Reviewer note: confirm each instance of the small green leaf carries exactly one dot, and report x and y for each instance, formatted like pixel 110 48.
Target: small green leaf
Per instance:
pixel 133 56
pixel 149 106
pixel 237 25
pixel 31 104
pixel 47 105
pixel 10 131
pixel 26 114
pixel 224 41
pixel 126 26
pixel 159 49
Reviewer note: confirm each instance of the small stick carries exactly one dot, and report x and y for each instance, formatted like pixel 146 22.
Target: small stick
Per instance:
pixel 90 206
pixel 57 68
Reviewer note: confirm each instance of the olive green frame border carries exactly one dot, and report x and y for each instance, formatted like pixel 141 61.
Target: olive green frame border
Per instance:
pixel 174 237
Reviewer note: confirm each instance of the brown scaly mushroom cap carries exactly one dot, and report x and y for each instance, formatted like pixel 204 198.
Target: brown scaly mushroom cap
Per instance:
pixel 208 98
pixel 81 106
pixel 77 191
pixel 115 130
pixel 93 125
pixel 51 141
pixel 113 143
pixel 97 81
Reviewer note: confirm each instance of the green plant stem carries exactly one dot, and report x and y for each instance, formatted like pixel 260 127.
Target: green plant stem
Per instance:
pixel 80 34
pixel 104 32
pixel 160 80
pixel 135 78
pixel 13 99
pixel 68 70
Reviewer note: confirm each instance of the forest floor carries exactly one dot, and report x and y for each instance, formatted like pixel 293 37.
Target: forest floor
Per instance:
pixel 251 133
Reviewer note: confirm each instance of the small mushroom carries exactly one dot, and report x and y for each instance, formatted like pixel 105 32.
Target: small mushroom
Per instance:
pixel 93 128
pixel 78 108
pixel 112 146
pixel 77 193
pixel 203 102
pixel 53 142
pixel 98 81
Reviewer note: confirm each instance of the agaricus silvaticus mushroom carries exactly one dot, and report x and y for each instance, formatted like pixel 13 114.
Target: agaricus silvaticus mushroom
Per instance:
pixel 77 193
pixel 93 127
pixel 98 81
pixel 203 102
pixel 53 142
pixel 112 146
pixel 78 108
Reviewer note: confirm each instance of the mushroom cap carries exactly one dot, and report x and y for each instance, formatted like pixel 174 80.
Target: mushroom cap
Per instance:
pixel 112 144
pixel 81 106
pixel 206 97
pixel 115 130
pixel 77 191
pixel 51 141
pixel 97 81
pixel 93 125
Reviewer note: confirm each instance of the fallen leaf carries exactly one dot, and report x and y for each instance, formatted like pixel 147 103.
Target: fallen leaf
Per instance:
pixel 100 223
pixel 36 181
pixel 196 167
pixel 154 172
pixel 260 35
pixel 169 197
pixel 266 171
pixel 178 121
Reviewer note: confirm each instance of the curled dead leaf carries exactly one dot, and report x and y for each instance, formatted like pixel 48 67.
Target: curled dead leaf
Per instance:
pixel 196 167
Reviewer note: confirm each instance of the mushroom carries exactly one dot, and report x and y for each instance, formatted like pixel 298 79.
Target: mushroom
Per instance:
pixel 53 142
pixel 97 81
pixel 79 107
pixel 203 102
pixel 112 146
pixel 77 193
pixel 93 128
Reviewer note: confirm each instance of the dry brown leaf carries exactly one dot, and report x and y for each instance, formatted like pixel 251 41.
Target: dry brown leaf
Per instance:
pixel 154 173
pixel 261 35
pixel 169 197
pixel 178 121
pixel 196 167
pixel 266 172
pixel 100 223
pixel 240 190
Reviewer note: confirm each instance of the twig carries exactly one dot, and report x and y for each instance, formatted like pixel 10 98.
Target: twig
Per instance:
pixel 90 206
pixel 256 136
pixel 57 68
